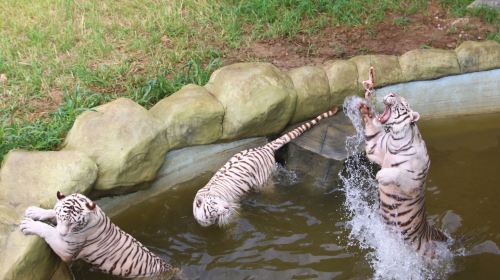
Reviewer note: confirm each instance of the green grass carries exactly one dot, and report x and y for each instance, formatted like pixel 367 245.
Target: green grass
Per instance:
pixel 401 21
pixel 458 8
pixel 48 133
pixel 61 57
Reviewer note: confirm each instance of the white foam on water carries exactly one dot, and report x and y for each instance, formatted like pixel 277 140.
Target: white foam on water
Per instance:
pixel 388 255
pixel 284 176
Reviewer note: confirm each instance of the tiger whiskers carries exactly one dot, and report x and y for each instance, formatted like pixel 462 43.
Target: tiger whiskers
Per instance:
pixel 230 215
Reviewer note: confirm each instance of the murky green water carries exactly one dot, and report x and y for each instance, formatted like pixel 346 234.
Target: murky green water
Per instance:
pixel 298 231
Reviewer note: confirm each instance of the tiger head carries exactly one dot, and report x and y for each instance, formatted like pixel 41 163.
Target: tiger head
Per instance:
pixel 397 113
pixel 209 209
pixel 73 213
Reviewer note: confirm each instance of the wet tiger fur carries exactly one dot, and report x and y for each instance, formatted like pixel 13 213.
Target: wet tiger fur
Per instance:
pixel 249 170
pixel 393 141
pixel 83 231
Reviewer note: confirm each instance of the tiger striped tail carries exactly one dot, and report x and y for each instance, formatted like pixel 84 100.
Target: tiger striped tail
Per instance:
pixel 289 136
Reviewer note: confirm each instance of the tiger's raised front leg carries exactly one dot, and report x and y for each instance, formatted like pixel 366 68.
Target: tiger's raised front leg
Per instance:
pixel 399 177
pixel 40 214
pixel 373 134
pixel 49 233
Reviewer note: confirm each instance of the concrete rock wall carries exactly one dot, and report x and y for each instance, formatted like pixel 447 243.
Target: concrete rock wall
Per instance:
pixel 120 145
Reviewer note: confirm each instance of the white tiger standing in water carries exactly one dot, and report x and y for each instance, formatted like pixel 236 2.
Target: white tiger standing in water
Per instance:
pixel 393 141
pixel 247 171
pixel 83 231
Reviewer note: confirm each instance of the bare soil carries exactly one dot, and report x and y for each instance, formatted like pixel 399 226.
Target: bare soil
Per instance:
pixel 433 29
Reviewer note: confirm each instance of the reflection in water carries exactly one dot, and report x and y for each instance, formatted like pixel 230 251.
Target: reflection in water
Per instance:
pixel 300 231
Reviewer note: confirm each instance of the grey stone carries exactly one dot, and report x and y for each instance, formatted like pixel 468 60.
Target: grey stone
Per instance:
pixel 387 70
pixel 191 116
pixel 424 64
pixel 313 92
pixel 476 56
pixel 125 141
pixel 62 273
pixel 323 145
pixel 487 3
pixel 463 94
pixel 33 178
pixel 343 79
pixel 258 99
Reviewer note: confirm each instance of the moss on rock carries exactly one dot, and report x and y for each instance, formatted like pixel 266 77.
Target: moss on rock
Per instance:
pixel 125 141
pixel 191 116
pixel 425 64
pixel 343 79
pixel 313 92
pixel 258 98
pixel 477 56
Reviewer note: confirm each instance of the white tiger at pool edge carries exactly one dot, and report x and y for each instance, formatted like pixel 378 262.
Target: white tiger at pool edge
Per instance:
pixel 218 201
pixel 83 231
pixel 393 141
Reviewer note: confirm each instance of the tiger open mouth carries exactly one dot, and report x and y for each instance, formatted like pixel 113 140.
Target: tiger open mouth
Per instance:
pixel 385 115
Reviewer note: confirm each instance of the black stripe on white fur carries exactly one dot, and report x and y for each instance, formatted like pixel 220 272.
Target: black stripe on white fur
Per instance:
pixel 249 170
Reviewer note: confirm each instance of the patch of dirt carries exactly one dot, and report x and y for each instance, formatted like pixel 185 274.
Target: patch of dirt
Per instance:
pixel 42 107
pixel 433 29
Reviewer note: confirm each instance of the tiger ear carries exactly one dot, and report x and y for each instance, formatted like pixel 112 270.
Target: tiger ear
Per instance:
pixel 415 116
pixel 60 195
pixel 90 205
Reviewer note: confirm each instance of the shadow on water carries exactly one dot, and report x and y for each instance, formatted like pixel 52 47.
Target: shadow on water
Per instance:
pixel 302 231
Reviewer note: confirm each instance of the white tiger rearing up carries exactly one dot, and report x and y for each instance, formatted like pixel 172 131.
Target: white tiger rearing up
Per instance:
pixel 393 141
pixel 249 170
pixel 83 231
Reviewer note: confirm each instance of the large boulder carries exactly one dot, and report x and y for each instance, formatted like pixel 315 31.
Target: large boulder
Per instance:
pixel 125 141
pixel 191 116
pixel 258 98
pixel 425 64
pixel 33 178
pixel 323 145
pixel 28 178
pixel 313 92
pixel 387 70
pixel 477 56
pixel 494 4
pixel 343 79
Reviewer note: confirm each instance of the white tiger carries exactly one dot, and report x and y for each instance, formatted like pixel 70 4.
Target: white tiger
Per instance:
pixel 83 231
pixel 393 141
pixel 249 170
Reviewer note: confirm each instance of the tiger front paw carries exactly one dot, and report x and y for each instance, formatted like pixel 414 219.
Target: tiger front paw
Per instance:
pixel 37 213
pixel 365 111
pixel 387 176
pixel 30 227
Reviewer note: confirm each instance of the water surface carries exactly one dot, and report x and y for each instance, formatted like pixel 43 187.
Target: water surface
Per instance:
pixel 300 230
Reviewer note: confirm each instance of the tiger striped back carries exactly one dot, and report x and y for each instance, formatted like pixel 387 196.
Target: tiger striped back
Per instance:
pixel 247 171
pixel 83 231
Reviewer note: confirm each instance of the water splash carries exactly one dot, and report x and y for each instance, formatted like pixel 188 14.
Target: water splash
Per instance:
pixel 284 176
pixel 388 255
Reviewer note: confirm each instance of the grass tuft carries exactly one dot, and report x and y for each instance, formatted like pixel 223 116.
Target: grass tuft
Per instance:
pixel 49 133
pixel 61 57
